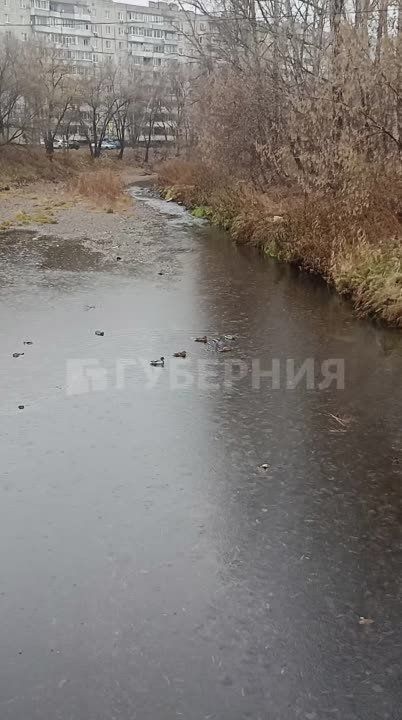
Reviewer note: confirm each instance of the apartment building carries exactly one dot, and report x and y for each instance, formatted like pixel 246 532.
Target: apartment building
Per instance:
pixel 88 31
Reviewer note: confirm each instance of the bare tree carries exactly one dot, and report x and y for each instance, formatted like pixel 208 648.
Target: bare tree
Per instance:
pixel 53 91
pixel 15 117
pixel 100 102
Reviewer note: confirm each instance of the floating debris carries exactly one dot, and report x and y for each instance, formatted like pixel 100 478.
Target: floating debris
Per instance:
pixel 21 407
pixel 118 257
pixel 264 466
pixel 365 621
pixel 160 272
pixel 17 354
pixel 343 421
pixel 158 363
pixel 230 338
pixel 202 339
pixel 224 349
pixel 99 332
pixel 89 307
pixel 181 354
pixel 27 342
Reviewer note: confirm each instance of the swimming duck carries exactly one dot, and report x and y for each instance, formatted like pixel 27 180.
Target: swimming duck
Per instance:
pixel 158 363
pixel 28 342
pixel 99 332
pixel 181 354
pixel 225 348
pixel 202 339
pixel 15 355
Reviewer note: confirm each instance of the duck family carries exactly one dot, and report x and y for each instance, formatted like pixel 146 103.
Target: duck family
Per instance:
pixel 217 344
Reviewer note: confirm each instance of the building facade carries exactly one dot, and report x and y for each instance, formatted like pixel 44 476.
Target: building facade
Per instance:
pixel 89 31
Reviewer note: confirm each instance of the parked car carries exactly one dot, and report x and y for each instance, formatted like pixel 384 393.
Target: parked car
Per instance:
pixel 73 145
pixel 110 144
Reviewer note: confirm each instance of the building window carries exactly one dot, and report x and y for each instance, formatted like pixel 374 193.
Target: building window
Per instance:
pixel 107 15
pixel 159 33
pixel 107 29
pixel 86 41
pixel 120 16
pixel 24 36
pixel 159 48
pixel 94 28
pixel 171 48
pixel 120 45
pixel 108 44
pixel 156 62
pixel 121 31
pixel 202 26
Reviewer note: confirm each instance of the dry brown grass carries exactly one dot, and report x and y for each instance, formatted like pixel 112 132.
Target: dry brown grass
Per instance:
pixel 101 185
pixel 352 239
pixel 20 164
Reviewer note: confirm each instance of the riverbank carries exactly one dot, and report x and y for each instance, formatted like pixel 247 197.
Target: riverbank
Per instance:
pixel 358 253
pixel 77 197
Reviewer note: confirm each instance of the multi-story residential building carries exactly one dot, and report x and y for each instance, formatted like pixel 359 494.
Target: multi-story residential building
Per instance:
pixel 88 31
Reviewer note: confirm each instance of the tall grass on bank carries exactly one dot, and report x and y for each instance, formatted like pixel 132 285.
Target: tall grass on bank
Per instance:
pixel 100 185
pixel 352 238
pixel 20 164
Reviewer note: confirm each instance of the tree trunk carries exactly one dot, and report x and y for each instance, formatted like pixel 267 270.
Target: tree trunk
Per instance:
pixel 49 144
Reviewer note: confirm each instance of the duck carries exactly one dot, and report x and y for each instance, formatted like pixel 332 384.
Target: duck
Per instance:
pixel 224 348
pixel 181 354
pixel 100 333
pixel 28 342
pixel 158 363
pixel 17 354
pixel 202 339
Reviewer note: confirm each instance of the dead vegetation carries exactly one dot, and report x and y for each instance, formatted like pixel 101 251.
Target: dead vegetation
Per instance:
pixel 298 128
pixel 20 164
pixel 101 186
pixel 354 244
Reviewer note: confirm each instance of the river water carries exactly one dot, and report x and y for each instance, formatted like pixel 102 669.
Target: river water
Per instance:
pixel 150 569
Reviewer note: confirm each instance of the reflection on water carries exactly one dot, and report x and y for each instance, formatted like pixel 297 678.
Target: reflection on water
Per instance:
pixel 149 568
